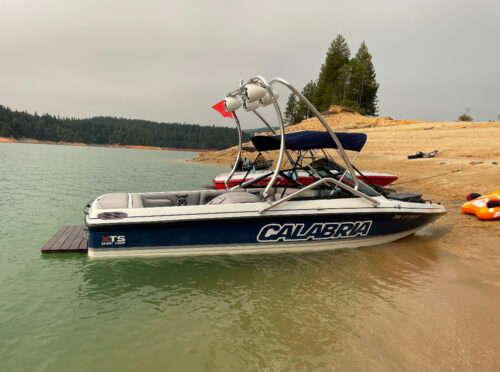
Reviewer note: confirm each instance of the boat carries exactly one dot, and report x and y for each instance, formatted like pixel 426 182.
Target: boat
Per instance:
pixel 378 179
pixel 334 211
pixel 299 142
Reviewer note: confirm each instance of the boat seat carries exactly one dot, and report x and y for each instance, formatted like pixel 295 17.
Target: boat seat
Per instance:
pixel 118 200
pixel 180 198
pixel 207 195
pixel 137 201
pixel 170 199
pixel 157 202
pixel 413 198
pixel 235 197
pixel 276 192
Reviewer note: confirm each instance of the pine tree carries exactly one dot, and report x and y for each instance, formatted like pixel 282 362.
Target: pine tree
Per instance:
pixel 303 112
pixel 291 110
pixel 330 86
pixel 109 130
pixel 363 87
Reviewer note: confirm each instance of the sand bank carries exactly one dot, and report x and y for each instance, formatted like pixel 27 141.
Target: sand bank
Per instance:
pixel 29 140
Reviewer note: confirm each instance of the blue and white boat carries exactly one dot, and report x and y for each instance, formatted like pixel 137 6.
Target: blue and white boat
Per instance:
pixel 336 211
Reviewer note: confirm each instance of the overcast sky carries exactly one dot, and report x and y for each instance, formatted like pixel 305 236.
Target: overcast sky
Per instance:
pixel 171 61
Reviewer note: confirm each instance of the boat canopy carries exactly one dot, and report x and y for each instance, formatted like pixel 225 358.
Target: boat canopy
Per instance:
pixel 310 140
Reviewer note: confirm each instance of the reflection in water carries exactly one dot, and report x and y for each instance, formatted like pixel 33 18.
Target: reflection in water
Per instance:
pixel 291 309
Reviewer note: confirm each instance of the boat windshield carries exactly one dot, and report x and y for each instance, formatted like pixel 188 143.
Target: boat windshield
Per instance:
pixel 326 168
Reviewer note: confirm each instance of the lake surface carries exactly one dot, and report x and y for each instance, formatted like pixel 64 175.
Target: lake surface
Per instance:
pixel 407 305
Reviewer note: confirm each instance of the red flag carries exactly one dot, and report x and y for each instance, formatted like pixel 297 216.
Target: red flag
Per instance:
pixel 220 107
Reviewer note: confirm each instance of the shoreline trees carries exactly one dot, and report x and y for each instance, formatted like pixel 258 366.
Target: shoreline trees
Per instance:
pixel 110 131
pixel 342 81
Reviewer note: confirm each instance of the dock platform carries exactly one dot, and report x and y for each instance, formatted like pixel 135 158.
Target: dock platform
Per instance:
pixel 69 239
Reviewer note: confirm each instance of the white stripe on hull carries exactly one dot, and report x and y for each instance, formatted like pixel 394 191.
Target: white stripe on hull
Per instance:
pixel 310 246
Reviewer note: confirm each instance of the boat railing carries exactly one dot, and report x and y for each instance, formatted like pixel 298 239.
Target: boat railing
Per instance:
pixel 325 125
pixel 315 184
pixel 287 153
pixel 254 87
pixel 252 181
pixel 270 92
pixel 238 157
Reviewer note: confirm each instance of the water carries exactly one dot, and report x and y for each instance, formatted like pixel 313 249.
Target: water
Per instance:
pixel 407 305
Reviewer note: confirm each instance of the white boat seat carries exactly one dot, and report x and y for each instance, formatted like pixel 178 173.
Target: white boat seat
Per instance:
pixel 157 202
pixel 207 195
pixel 118 200
pixel 137 201
pixel 234 197
pixel 172 199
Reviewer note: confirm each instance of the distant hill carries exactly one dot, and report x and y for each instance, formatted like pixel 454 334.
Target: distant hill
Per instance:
pixel 111 130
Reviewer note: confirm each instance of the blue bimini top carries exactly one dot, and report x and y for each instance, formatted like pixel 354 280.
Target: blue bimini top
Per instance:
pixel 310 140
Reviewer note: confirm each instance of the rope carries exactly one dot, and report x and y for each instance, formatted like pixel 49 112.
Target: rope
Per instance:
pixel 426 178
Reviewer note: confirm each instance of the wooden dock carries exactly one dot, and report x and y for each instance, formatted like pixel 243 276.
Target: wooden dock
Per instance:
pixel 69 239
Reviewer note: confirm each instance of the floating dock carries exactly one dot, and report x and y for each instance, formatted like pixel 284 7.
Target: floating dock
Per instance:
pixel 69 239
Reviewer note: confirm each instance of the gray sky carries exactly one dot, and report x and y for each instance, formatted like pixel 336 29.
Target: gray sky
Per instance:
pixel 172 60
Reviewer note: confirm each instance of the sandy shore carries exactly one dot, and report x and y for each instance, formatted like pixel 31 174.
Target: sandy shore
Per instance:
pixel 29 140
pixel 8 140
pixel 465 163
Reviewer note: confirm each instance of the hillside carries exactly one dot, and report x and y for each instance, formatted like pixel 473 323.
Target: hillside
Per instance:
pixel 114 131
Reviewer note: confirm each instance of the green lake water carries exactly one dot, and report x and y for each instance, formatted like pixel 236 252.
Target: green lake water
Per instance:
pixel 392 307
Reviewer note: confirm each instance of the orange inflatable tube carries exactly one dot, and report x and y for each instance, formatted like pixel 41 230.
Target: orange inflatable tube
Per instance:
pixel 485 207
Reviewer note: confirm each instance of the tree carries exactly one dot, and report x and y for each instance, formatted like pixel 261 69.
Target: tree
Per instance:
pixel 303 112
pixel 291 110
pixel 109 130
pixel 330 85
pixel 465 116
pixel 363 87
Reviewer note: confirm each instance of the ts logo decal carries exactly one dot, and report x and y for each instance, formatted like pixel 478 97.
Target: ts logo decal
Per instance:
pixel 113 239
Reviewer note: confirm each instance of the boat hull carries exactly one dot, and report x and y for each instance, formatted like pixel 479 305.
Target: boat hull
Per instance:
pixel 378 179
pixel 260 234
pixel 250 248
